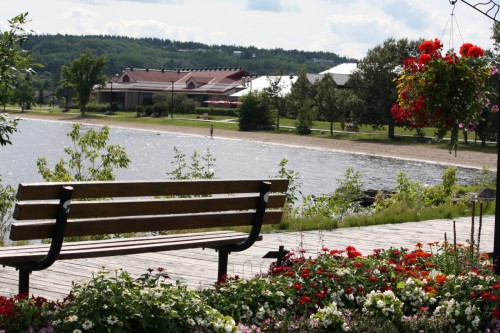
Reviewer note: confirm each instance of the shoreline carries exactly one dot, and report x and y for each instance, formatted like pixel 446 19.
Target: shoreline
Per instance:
pixel 415 152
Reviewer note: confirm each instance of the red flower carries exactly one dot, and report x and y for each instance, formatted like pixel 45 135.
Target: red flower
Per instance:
pixel 297 286
pixel 305 299
pixel 424 58
pixel 353 254
pixel 475 52
pixel 358 264
pixel 305 273
pixel 321 295
pixel 486 295
pixel 430 46
pixel 464 49
pixel 496 286
pixel 350 248
pixel 496 313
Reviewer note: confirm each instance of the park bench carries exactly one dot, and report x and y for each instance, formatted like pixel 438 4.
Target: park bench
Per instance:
pixel 155 212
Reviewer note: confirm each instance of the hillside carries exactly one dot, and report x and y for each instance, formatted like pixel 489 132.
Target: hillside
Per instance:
pixel 53 51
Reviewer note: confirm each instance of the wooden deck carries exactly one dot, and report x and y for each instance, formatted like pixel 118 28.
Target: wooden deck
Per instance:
pixel 198 268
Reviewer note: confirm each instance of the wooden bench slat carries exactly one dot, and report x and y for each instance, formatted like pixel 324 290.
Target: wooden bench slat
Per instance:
pixel 47 191
pixel 37 247
pixel 123 246
pixel 37 230
pixel 85 209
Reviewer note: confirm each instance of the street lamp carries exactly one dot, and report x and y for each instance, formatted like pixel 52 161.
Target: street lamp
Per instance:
pixel 172 102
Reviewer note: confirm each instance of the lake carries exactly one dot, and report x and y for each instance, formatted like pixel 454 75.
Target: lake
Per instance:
pixel 152 155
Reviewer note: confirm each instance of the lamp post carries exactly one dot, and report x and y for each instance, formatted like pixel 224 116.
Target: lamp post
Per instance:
pixel 111 83
pixel 172 102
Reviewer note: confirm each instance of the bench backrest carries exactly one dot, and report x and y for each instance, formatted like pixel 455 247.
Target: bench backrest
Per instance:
pixel 113 207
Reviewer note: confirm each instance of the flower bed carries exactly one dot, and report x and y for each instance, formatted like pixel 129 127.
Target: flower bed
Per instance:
pixel 444 288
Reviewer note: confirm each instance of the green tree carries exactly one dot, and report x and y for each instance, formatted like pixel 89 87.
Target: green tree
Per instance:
pixel 277 98
pixel 326 100
pixel 64 92
pixel 16 66
pixel 305 117
pixel 374 82
pixel 348 104
pixel 84 73
pixel 299 93
pixel 23 96
pixel 41 99
pixel 255 112
pixel 90 158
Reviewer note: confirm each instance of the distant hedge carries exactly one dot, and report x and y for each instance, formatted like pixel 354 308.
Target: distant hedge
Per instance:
pixel 229 112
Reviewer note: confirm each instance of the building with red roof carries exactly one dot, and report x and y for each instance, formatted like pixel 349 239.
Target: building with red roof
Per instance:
pixel 137 86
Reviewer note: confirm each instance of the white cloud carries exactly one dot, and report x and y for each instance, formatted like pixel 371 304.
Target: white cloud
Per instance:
pixel 346 27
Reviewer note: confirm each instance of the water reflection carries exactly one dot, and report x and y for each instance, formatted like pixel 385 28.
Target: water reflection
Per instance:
pixel 152 155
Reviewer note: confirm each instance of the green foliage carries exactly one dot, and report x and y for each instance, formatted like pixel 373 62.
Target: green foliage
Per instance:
pixel 294 182
pixel 160 109
pixel 255 112
pixel 7 127
pixel 374 82
pixel 23 95
pixel 327 101
pixel 84 73
pixel 300 93
pixel 90 158
pixel 201 167
pixel 16 65
pixel 7 199
pixel 227 112
pixel 342 203
pixel 305 117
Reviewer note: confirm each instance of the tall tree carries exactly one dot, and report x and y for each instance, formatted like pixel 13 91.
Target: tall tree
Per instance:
pixel 16 66
pixel 84 73
pixel 374 81
pixel 24 96
pixel 326 100
pixel 275 90
pixel 300 92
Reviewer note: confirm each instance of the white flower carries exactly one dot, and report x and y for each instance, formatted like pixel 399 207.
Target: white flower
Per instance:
pixel 380 304
pixel 87 324
pixel 112 320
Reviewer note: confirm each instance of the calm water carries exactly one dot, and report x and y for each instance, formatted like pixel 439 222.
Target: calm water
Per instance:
pixel 152 155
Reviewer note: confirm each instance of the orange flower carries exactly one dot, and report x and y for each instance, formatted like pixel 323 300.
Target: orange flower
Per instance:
pixel 440 278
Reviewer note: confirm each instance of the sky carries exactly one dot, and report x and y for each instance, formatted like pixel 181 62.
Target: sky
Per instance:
pixel 346 27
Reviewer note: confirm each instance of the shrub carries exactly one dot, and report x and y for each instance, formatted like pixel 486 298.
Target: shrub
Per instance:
pixel 160 108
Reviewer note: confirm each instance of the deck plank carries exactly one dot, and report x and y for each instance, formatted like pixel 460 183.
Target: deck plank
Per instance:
pixel 198 268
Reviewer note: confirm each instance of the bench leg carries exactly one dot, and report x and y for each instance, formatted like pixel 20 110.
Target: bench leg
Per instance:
pixel 223 260
pixel 24 281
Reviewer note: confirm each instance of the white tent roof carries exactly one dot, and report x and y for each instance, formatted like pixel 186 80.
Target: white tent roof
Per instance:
pixel 345 68
pixel 263 82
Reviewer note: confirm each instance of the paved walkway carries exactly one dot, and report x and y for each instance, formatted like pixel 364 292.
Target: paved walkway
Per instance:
pixel 198 268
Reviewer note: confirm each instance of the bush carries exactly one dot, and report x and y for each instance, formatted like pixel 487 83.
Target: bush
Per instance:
pixel 148 110
pixel 227 112
pixel 160 109
pixel 97 107
pixel 139 109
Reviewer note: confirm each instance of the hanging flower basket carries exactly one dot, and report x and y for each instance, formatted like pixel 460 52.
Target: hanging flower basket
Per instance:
pixel 446 92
